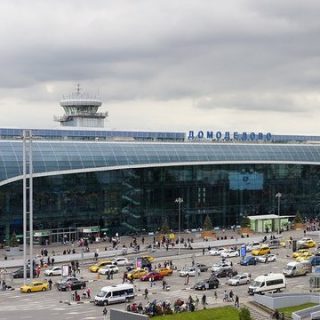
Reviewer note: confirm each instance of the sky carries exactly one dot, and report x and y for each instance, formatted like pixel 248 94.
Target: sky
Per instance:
pixel 168 65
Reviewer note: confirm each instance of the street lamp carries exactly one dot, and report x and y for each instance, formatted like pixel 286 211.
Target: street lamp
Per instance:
pixel 179 201
pixel 278 195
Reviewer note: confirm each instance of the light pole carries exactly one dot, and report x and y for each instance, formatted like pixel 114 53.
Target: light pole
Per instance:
pixel 278 195
pixel 179 201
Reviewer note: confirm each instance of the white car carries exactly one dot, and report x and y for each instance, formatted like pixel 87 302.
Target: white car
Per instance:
pixel 109 268
pixel 120 261
pixel 217 251
pixel 54 271
pixel 267 258
pixel 221 265
pixel 253 246
pixel 230 253
pixel 189 271
pixel 243 278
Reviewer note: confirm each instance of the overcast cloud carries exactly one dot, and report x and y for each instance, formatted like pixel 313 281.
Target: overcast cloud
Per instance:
pixel 164 65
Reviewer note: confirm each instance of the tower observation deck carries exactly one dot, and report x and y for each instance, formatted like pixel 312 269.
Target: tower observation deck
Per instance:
pixel 81 110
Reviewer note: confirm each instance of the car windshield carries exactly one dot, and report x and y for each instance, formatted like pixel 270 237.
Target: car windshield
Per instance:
pixel 101 294
pixel 257 284
pixel 236 277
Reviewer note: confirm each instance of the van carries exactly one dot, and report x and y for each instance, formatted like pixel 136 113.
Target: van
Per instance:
pixel 272 282
pixel 114 294
pixel 294 269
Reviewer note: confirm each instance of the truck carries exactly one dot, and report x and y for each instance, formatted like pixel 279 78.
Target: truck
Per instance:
pixel 272 282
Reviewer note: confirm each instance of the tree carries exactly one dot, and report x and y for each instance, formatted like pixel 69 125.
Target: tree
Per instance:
pixel 165 227
pixel 13 240
pixel 298 218
pixel 207 224
pixel 245 222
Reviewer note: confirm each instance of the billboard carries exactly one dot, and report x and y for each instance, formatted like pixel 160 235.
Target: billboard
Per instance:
pixel 245 181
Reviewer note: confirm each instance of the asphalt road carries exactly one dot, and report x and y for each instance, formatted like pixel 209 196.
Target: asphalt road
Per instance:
pixel 55 304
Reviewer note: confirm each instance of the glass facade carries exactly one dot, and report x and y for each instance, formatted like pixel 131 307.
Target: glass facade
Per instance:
pixel 132 200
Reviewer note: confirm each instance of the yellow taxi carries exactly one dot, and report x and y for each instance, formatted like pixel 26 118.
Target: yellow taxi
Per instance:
pixel 149 258
pixel 304 256
pixel 100 264
pixel 35 286
pixel 261 251
pixel 300 253
pixel 306 243
pixel 164 271
pixel 136 274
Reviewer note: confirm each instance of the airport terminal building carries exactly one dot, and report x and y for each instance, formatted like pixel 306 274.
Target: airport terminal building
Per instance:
pixel 95 180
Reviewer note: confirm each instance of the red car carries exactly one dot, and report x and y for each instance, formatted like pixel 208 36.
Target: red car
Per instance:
pixel 156 276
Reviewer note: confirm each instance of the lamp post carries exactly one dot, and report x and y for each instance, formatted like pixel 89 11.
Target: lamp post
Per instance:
pixel 179 201
pixel 278 195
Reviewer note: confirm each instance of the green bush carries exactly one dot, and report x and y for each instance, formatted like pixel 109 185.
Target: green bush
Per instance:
pixel 244 314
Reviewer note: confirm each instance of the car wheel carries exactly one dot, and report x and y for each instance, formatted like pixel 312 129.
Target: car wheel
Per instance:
pixel 105 303
pixel 237 283
pixel 44 289
pixel 29 291
pixel 127 300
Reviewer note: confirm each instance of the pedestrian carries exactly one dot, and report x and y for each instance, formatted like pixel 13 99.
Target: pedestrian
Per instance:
pixel 204 301
pixel 150 280
pixel 187 279
pixel 146 291
pixel 89 293
pixel 52 261
pixel 196 303
pixel 203 251
pixel 225 296
pixel 236 301
pixel 104 313
pixel 50 284
pixel 215 295
pixel 164 284
pixel 111 274
pixel 231 295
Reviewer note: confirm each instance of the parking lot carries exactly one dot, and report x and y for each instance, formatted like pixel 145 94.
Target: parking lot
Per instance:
pixel 52 304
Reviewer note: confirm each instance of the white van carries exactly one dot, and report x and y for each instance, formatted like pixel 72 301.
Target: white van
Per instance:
pixel 115 294
pixel 273 282
pixel 295 268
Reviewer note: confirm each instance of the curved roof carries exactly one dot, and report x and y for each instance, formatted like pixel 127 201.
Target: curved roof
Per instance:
pixel 57 157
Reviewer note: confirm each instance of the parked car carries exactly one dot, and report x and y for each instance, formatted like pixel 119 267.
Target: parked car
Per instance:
pixel 164 271
pixel 35 286
pixel 202 267
pixel 225 273
pixel 191 271
pixel 54 271
pixel 156 276
pixel 100 264
pixel 19 273
pixel 264 249
pixel 301 252
pixel 206 284
pixel 270 257
pixel 230 253
pixel 72 283
pixel 221 265
pixel 306 243
pixel 253 245
pixel 248 260
pixel 105 270
pixel 216 251
pixel 243 278
pixel 120 261
pixel 136 274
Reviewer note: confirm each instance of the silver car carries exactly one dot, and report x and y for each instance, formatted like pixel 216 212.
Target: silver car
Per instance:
pixel 243 278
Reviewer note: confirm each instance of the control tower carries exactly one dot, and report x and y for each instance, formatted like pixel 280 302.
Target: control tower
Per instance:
pixel 81 111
